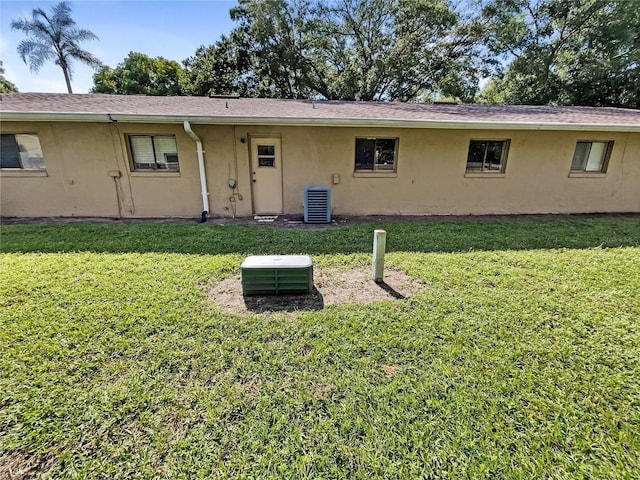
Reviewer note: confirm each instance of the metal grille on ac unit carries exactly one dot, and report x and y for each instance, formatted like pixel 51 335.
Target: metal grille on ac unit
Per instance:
pixel 317 204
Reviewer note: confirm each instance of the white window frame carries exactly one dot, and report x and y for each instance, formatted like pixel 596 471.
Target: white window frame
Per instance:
pixel 163 161
pixel 26 156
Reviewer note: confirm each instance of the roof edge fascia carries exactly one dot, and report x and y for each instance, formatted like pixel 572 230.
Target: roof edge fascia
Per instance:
pixel 318 122
pixel 53 117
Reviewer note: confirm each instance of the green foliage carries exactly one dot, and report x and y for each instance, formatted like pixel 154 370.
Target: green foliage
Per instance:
pixel 53 36
pixel 140 74
pixel 607 71
pixel 277 38
pixel 5 85
pixel 513 363
pixel 379 50
pixel 562 52
pixel 217 69
pixel 565 52
pixel 351 50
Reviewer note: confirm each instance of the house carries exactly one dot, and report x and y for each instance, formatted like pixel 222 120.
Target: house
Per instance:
pixel 138 156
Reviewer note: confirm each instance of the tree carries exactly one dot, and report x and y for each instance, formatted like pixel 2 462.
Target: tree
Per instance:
pixel 343 50
pixel 54 37
pixel 606 71
pixel 278 37
pixel 399 50
pixel 221 68
pixel 140 74
pixel 565 52
pixel 5 85
pixel 264 56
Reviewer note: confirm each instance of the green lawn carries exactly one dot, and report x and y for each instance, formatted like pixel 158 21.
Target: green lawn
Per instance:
pixel 520 359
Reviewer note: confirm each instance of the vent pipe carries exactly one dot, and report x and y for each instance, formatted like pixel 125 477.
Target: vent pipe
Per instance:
pixel 203 175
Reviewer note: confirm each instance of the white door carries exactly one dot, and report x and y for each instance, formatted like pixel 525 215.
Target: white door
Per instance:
pixel 266 176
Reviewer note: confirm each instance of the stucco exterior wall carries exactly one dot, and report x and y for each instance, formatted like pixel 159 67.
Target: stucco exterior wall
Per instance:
pixel 80 159
pixel 75 182
pixel 431 179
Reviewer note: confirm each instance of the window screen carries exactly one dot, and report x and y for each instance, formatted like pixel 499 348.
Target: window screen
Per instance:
pixel 376 154
pixel 21 151
pixel 590 156
pixel 10 155
pixel 487 155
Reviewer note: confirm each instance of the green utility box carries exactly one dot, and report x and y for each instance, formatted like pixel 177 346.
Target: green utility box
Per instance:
pixel 275 274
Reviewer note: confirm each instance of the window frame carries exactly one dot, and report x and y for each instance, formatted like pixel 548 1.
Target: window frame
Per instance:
pixel 152 171
pixel 269 158
pixel 376 170
pixel 506 142
pixel 22 168
pixel 605 159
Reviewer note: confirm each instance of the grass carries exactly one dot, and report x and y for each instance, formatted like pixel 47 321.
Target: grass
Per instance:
pixel 521 358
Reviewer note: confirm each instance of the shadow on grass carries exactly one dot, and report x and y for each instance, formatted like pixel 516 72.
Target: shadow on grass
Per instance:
pixel 414 236
pixel 285 303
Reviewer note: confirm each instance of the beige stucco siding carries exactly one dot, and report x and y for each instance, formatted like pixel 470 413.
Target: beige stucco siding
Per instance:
pixel 77 161
pixel 159 194
pixel 80 159
pixel 222 147
pixel 431 176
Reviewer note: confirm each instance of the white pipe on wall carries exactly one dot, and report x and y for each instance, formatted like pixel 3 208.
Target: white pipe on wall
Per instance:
pixel 203 175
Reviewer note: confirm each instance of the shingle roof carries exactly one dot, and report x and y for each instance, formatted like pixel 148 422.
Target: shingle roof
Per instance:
pixel 98 107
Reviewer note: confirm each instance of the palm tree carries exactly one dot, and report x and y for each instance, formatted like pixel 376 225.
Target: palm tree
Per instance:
pixel 54 36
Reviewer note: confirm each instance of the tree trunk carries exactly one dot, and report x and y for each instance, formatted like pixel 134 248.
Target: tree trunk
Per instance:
pixel 65 69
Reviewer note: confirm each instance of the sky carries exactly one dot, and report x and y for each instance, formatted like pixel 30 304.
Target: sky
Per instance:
pixel 166 28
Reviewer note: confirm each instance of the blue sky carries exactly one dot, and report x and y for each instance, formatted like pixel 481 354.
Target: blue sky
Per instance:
pixel 171 29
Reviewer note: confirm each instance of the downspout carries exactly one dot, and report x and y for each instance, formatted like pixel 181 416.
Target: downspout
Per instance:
pixel 203 175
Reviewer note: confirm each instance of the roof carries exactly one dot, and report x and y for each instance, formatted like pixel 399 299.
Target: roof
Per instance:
pixel 260 111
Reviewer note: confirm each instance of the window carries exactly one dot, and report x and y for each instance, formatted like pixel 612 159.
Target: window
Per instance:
pixel 154 152
pixel 487 156
pixel 266 155
pixel 21 151
pixel 376 154
pixel 591 156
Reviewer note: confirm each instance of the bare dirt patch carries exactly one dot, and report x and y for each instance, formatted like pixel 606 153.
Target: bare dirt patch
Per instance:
pixel 15 466
pixel 389 370
pixel 332 286
pixel 321 392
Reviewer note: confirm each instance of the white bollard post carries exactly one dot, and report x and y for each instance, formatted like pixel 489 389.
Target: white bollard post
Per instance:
pixel 379 247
